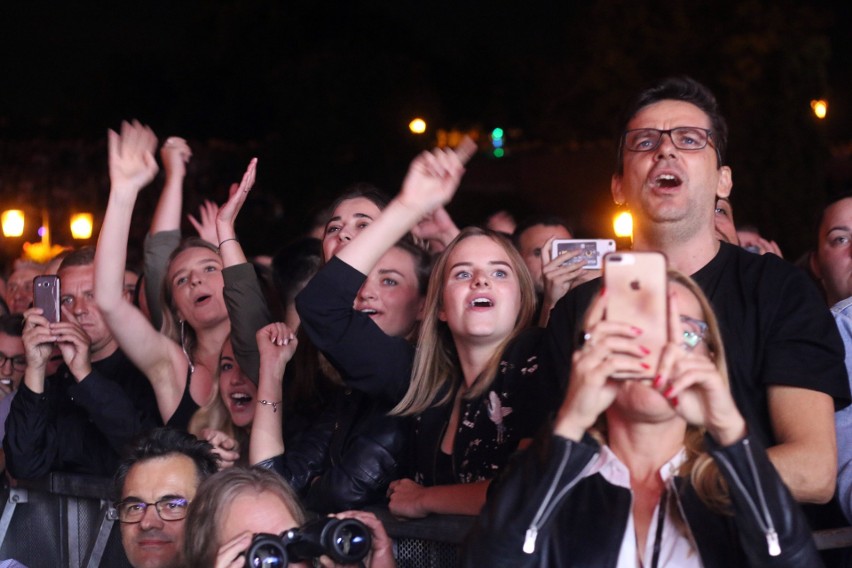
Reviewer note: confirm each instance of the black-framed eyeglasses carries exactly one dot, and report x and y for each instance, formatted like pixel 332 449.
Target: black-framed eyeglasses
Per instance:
pixel 19 362
pixel 168 508
pixel 683 138
pixel 694 332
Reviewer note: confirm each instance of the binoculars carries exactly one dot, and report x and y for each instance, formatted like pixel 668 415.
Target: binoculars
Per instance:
pixel 346 541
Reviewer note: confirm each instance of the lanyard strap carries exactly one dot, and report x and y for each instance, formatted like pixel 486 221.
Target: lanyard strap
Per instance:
pixel 658 538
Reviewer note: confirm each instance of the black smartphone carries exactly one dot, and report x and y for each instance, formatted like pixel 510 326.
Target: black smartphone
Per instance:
pixel 46 296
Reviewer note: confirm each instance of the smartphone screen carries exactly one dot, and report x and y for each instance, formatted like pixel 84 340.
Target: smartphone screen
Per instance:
pixel 46 296
pixel 636 287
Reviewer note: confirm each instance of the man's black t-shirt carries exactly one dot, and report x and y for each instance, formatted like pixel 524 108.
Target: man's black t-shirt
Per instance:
pixel 775 327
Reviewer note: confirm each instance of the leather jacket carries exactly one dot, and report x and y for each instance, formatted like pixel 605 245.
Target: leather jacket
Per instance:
pixel 546 512
pixel 348 457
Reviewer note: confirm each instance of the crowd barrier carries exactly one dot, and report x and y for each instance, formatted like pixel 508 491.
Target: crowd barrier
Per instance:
pixel 67 521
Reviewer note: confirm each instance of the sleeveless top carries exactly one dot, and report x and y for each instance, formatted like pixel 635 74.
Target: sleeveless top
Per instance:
pixel 185 409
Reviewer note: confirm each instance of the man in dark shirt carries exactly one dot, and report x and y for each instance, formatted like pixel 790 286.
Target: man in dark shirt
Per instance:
pixel 784 355
pixel 80 418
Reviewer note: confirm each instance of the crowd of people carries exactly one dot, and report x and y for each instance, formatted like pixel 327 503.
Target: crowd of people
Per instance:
pixel 394 359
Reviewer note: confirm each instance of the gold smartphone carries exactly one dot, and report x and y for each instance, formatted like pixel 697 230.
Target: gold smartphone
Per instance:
pixel 637 294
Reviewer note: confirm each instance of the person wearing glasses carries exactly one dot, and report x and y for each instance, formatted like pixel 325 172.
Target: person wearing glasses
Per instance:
pixel 784 353
pixel 654 473
pixel 154 486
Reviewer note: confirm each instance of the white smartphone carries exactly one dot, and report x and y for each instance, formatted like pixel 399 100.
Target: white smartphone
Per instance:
pixel 593 250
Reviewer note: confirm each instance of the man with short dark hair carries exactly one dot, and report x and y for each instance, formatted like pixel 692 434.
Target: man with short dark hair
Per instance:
pixel 154 486
pixel 784 354
pixel 80 418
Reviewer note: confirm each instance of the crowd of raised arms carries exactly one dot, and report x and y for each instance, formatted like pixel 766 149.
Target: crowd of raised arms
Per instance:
pixel 392 359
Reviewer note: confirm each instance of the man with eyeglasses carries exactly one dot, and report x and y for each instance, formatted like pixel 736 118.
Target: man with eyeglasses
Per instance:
pixel 784 355
pixel 155 485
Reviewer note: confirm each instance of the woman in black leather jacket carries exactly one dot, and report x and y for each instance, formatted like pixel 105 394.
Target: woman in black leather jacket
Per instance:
pixel 651 494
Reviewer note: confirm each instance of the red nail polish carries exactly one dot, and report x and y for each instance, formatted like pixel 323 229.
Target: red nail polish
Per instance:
pixel 658 380
pixel 674 401
pixel 636 330
pixel 668 392
pixel 644 350
pixel 645 365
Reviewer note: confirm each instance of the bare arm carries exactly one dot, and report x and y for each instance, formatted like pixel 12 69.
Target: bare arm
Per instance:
pixel 276 344
pixel 806 453
pixel 430 183
pixel 132 167
pixel 175 154
pixel 412 500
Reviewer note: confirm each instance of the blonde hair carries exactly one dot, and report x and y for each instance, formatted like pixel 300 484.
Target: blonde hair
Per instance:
pixel 436 363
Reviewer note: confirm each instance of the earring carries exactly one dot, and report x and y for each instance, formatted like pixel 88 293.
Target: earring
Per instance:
pixel 183 346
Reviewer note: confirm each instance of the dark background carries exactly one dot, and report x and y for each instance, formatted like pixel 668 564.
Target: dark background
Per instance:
pixel 322 92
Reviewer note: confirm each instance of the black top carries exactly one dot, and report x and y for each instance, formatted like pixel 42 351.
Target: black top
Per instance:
pixel 775 327
pixel 490 426
pixel 79 427
pixel 179 420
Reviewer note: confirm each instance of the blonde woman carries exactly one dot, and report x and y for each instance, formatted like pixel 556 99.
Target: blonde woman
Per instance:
pixel 472 384
pixel 649 492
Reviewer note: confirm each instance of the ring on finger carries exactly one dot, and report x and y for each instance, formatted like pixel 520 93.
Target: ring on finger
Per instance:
pixel 585 338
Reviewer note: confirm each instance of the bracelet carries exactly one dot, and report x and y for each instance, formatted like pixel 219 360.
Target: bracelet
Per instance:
pixel 226 240
pixel 274 405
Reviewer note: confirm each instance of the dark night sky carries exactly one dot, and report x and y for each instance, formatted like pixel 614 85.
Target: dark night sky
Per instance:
pixel 323 91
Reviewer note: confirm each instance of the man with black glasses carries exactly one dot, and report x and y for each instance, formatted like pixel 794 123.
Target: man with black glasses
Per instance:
pixel 784 354
pixel 155 485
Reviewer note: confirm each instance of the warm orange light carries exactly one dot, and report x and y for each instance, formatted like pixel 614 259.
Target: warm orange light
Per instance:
pixel 622 224
pixel 417 126
pixel 81 226
pixel 820 108
pixel 13 223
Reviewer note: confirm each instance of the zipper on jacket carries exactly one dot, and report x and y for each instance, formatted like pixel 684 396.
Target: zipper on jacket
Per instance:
pixel 765 522
pixel 548 505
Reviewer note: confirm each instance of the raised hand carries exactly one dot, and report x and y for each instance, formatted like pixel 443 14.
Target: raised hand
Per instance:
pixel 132 165
pixel 608 347
pixel 175 155
pixel 205 224
pixel 695 388
pixel 37 337
pixel 436 227
pixel 74 344
pixel 276 344
pixel 433 177
pixel 236 198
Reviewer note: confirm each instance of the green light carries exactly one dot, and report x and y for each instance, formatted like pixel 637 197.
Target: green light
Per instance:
pixel 497 133
pixel 498 152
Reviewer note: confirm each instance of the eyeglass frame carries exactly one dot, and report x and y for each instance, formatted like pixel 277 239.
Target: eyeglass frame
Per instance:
pixel 157 505
pixel 702 326
pixel 708 131
pixel 4 358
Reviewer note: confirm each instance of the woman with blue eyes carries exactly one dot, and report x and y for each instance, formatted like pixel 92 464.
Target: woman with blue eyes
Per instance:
pixel 180 361
pixel 470 385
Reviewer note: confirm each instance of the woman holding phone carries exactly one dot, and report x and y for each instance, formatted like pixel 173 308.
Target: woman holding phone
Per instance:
pixel 657 472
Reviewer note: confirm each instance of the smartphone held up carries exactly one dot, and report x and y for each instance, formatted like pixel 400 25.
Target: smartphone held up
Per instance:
pixel 46 296
pixel 637 292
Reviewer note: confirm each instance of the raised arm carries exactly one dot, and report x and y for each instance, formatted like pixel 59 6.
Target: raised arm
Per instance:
pixel 175 154
pixel 431 182
pixel 276 344
pixel 131 166
pixel 244 298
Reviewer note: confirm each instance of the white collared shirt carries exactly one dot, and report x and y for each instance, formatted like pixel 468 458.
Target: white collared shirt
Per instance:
pixel 675 548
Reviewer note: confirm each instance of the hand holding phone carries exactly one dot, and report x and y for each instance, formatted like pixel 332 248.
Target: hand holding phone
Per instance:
pixel 591 251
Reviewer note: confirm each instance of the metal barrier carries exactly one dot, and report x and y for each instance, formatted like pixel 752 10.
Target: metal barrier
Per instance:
pixel 66 520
